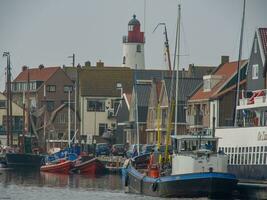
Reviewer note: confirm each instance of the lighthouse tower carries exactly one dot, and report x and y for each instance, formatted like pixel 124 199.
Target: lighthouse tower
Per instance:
pixel 133 46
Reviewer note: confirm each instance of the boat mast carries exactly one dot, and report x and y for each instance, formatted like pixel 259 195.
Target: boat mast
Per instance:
pixel 45 107
pixel 69 119
pixel 170 108
pixel 177 48
pixel 238 65
pixel 9 101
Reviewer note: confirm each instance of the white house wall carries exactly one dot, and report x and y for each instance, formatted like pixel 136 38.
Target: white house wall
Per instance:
pixel 16 110
pixel 91 119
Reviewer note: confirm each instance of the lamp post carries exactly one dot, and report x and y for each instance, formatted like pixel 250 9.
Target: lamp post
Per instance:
pixel 119 87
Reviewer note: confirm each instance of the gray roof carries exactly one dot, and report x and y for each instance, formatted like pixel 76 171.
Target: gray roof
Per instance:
pixel 186 87
pixel 143 94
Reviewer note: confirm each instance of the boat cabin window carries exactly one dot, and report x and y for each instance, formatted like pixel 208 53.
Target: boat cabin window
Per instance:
pixel 193 144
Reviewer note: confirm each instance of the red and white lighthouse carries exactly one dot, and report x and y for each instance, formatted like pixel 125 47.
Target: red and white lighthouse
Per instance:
pixel 133 46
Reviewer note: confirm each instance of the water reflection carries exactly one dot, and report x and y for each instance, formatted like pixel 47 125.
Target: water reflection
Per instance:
pixel 32 185
pixel 41 179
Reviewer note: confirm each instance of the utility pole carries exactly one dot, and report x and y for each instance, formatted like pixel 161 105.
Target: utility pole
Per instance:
pixel 73 59
pixel 136 111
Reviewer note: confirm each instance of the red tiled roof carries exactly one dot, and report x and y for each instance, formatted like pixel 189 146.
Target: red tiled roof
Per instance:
pixel 226 71
pixel 36 74
pixel 263 35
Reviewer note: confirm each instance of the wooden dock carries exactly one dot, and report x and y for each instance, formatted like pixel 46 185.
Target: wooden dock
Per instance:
pixel 252 189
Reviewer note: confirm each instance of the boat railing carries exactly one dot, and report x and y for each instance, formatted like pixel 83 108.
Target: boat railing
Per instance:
pixel 252 99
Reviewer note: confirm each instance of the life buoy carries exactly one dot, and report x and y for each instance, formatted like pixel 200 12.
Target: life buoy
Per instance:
pixel 154 186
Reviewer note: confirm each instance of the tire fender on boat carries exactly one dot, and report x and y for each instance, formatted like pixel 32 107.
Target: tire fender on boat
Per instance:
pixel 154 186
pixel 126 181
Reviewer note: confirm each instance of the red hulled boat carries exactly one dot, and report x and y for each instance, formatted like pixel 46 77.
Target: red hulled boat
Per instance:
pixel 89 167
pixel 62 167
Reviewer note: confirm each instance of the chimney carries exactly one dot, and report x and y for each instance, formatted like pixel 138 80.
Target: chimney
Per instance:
pixel 99 64
pixel 224 59
pixel 24 67
pixel 87 64
pixel 41 66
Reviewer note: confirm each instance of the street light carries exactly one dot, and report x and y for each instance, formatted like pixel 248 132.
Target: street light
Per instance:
pixel 119 87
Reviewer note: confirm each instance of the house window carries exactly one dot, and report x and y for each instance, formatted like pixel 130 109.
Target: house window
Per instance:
pixel 102 128
pixel 2 104
pixel 138 48
pixel 60 136
pixel 67 88
pixel 96 105
pixel 50 106
pixel 123 60
pixel 51 88
pixel 255 71
pixel 32 85
pixel 255 45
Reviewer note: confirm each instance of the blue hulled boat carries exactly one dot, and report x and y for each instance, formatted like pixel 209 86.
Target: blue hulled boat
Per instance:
pixel 195 171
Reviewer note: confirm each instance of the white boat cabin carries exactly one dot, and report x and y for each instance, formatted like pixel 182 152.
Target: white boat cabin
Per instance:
pixel 197 153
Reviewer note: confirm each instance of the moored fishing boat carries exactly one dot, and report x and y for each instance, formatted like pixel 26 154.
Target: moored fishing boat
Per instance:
pixel 62 166
pixel 24 160
pixel 195 172
pixel 89 167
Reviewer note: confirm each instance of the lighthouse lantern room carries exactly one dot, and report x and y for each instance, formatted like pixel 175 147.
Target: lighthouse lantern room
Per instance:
pixel 133 46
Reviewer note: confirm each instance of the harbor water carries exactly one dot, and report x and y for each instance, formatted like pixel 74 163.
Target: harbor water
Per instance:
pixel 29 185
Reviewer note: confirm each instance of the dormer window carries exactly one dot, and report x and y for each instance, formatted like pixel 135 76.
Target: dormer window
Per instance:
pixel 209 81
pixel 207 86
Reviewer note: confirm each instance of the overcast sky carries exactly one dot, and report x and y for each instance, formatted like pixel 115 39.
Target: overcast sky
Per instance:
pixel 47 32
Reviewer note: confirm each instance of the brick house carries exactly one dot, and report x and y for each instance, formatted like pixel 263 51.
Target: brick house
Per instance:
pixel 48 90
pixel 215 98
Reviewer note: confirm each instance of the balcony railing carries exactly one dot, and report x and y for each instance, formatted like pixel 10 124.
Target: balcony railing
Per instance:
pixel 256 98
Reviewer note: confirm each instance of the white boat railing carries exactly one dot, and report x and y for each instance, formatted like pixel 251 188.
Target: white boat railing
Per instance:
pixel 253 99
